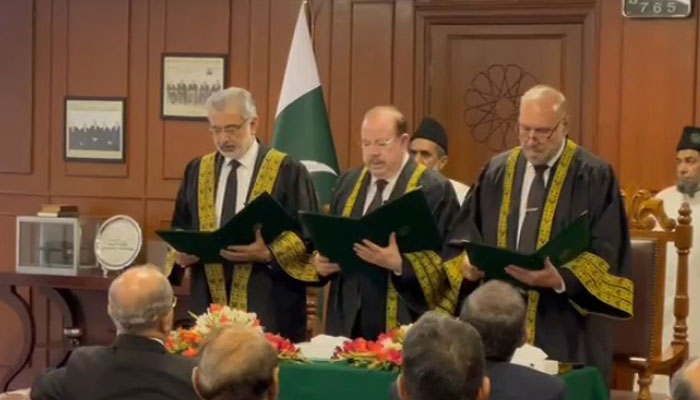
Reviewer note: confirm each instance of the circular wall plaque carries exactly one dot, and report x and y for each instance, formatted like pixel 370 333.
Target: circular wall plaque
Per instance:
pixel 118 242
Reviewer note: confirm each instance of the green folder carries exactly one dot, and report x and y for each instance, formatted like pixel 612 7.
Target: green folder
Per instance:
pixel 264 212
pixel 409 216
pixel 566 246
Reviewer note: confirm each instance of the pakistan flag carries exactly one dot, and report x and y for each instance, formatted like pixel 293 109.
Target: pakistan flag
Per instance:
pixel 302 129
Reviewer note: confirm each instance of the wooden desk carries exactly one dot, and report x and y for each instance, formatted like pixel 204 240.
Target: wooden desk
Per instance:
pixel 82 304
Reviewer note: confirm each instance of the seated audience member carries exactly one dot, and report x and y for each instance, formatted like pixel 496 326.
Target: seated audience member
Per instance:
pixel 136 365
pixel 497 311
pixel 442 360
pixel 237 363
pixel 685 384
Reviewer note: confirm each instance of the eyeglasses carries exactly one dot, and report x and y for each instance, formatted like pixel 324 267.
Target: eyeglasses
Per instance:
pixel 382 144
pixel 230 129
pixel 174 301
pixel 538 133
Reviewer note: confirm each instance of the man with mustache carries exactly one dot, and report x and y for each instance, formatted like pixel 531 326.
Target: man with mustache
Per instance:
pixel 685 190
pixel 357 306
pixel 429 147
pixel 525 197
pixel 216 187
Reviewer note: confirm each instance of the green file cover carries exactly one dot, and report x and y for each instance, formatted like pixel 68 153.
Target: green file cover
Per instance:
pixel 264 212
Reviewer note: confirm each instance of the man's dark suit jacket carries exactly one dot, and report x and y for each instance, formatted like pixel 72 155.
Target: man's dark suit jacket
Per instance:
pixel 515 382
pixel 134 367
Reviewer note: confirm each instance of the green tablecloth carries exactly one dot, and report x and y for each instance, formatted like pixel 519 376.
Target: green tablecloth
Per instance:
pixel 339 381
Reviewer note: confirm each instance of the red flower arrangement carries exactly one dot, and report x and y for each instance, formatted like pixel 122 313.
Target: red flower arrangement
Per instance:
pixel 386 353
pixel 187 342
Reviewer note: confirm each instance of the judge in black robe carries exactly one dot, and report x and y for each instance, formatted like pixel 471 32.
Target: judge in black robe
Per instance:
pixel 566 303
pixel 278 300
pixel 359 306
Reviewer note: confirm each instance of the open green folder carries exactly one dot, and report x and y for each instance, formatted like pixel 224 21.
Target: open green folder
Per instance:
pixel 409 216
pixel 566 246
pixel 264 211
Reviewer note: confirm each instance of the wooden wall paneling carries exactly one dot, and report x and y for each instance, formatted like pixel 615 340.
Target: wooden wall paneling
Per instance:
pixel 478 75
pixel 12 206
pixel 16 38
pixel 137 105
pixel 696 121
pixel 239 52
pixel 371 64
pixel 341 70
pixel 259 81
pixel 36 181
pixel 156 186
pixel 658 84
pixel 185 140
pixel 97 65
pixel 283 19
pixel 589 77
pixel 403 62
pixel 607 140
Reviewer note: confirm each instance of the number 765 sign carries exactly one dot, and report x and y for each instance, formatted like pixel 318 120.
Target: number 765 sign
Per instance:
pixel 656 8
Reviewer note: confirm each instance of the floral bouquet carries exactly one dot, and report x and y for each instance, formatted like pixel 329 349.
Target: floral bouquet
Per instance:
pixel 187 342
pixel 386 353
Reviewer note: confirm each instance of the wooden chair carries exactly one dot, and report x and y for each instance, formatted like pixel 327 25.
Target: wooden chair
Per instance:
pixel 637 342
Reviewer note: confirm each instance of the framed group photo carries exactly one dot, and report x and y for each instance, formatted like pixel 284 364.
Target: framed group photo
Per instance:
pixel 95 129
pixel 188 80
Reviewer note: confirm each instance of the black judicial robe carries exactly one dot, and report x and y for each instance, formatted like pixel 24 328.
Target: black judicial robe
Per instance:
pixel 567 326
pixel 357 308
pixel 278 300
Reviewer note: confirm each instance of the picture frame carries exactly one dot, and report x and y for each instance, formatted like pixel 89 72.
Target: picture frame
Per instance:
pixel 187 80
pixel 95 129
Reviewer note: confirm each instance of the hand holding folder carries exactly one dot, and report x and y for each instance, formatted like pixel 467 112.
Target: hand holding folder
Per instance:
pixel 263 212
pixel 409 217
pixel 565 247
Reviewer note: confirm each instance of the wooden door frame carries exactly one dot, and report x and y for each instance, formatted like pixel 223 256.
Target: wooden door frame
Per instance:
pixel 474 12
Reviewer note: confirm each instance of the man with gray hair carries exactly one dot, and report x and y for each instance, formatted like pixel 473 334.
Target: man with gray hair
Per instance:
pixel 259 277
pixel 497 311
pixel 685 384
pixel 238 363
pixel 525 197
pixel 443 359
pixel 137 365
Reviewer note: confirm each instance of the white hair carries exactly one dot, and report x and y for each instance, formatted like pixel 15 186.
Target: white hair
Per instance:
pixel 232 98
pixel 545 93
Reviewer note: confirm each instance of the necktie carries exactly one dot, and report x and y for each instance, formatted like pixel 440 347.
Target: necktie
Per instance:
pixel 533 212
pixel 228 207
pixel 377 199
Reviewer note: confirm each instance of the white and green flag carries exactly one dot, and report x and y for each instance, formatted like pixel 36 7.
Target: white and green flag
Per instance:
pixel 302 129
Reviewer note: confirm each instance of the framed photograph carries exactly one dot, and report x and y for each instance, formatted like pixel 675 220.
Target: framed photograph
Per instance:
pixel 94 129
pixel 188 80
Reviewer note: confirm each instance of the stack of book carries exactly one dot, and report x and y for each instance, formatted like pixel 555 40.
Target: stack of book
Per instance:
pixel 59 210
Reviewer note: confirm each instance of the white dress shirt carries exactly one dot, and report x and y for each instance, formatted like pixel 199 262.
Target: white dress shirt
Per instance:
pixel 525 192
pixel 244 176
pixel 527 183
pixel 387 189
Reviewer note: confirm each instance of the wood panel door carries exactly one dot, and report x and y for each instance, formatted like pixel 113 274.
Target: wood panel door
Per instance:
pixel 477 75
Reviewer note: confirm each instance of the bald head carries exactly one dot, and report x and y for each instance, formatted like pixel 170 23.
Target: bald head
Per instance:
pixel 141 302
pixel 545 98
pixel 237 362
pixel 686 382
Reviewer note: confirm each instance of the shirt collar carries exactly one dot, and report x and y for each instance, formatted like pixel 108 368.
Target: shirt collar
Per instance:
pixel 392 180
pixel 556 157
pixel 248 158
